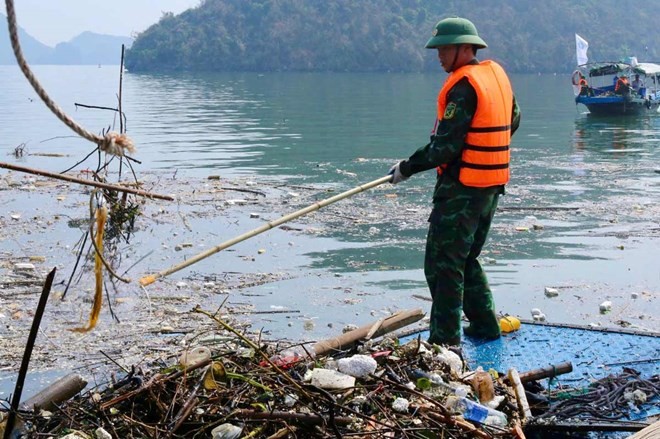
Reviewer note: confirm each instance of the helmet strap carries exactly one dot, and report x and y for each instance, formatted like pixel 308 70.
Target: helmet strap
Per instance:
pixel 453 64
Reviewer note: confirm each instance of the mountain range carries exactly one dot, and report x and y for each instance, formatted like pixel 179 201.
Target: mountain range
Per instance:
pixel 526 36
pixel 86 48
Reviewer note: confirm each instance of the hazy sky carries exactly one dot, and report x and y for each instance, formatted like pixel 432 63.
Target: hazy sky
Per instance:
pixel 55 21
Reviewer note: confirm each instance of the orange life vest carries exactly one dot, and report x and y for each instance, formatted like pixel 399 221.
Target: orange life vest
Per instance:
pixel 485 156
pixel 621 84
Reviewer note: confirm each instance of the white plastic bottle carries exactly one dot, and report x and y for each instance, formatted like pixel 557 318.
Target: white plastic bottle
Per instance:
pixel 438 384
pixel 473 411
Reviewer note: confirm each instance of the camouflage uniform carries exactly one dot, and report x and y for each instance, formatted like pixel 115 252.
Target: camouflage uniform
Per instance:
pixel 459 225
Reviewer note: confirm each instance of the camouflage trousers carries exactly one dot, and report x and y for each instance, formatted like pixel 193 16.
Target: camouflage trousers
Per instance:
pixel 457 232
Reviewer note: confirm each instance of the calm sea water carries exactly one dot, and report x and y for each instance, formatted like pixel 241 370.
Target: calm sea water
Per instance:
pixel 303 128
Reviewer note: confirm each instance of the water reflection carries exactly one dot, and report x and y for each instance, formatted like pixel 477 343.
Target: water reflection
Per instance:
pixel 616 136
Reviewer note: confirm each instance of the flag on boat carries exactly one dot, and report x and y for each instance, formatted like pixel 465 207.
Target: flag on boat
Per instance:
pixel 581 47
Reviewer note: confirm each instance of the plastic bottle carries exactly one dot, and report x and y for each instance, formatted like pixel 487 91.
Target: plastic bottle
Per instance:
pixel 291 356
pixel 436 382
pixel 482 383
pixel 473 411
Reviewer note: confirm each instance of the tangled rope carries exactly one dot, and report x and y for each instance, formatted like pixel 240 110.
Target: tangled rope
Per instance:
pixel 112 143
pixel 608 398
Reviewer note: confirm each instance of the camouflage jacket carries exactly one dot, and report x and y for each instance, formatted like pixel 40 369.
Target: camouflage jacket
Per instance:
pixel 446 145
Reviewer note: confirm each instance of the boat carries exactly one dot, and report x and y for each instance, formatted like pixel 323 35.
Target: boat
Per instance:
pixel 606 88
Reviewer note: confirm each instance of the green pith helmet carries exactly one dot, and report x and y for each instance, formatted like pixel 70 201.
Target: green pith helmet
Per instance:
pixel 455 30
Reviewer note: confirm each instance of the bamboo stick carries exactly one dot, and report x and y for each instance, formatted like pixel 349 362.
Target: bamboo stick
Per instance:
pixel 519 390
pixel 149 279
pixel 112 187
pixel 391 323
pixel 375 327
pixel 650 432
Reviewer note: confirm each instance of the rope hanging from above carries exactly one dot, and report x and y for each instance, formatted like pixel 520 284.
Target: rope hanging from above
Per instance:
pixel 112 143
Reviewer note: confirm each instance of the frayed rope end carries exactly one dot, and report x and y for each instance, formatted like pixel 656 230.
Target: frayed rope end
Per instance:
pixel 117 144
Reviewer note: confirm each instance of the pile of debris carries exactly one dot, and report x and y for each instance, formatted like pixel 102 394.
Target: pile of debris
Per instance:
pixel 246 388
pixel 240 386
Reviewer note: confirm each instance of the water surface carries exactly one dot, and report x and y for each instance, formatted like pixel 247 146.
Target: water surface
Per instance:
pixel 595 181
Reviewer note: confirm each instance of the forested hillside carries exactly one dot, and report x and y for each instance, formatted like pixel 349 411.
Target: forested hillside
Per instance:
pixel 389 35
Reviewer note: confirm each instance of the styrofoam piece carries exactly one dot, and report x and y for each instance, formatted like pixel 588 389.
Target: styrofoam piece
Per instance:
pixel 331 379
pixel 358 366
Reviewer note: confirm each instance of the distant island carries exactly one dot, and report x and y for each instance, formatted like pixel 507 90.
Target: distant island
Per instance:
pixel 86 48
pixel 526 36
pixel 389 35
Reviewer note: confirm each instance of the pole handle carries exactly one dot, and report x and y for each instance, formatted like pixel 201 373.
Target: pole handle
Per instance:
pixel 149 279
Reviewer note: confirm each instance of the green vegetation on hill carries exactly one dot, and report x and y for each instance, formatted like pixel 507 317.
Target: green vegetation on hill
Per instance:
pixel 389 35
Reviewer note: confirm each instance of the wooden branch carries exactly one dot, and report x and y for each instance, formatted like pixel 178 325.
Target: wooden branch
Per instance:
pixel 249 191
pixel 283 433
pixel 305 418
pixel 94 107
pixel 257 350
pixel 156 379
pixel 188 406
pixel 27 354
pixel 111 187
pixel 549 208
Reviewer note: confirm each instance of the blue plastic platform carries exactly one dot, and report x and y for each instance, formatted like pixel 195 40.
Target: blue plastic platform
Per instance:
pixel 594 353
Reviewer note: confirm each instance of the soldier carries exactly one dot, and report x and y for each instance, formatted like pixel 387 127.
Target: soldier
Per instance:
pixel 477 114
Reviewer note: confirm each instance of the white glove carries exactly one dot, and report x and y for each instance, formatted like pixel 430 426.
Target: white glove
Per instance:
pixel 397 176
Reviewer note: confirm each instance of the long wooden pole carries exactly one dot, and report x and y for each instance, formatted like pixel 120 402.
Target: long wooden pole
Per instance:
pixel 112 187
pixel 649 432
pixel 149 279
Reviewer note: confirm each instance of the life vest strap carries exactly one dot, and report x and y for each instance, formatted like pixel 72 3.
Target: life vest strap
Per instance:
pixel 489 129
pixel 486 148
pixel 484 167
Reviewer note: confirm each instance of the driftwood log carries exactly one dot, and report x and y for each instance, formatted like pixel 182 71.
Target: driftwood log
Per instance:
pixel 545 372
pixel 61 390
pixel 384 326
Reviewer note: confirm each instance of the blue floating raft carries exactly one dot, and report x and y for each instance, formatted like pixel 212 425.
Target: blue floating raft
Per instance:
pixel 594 352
